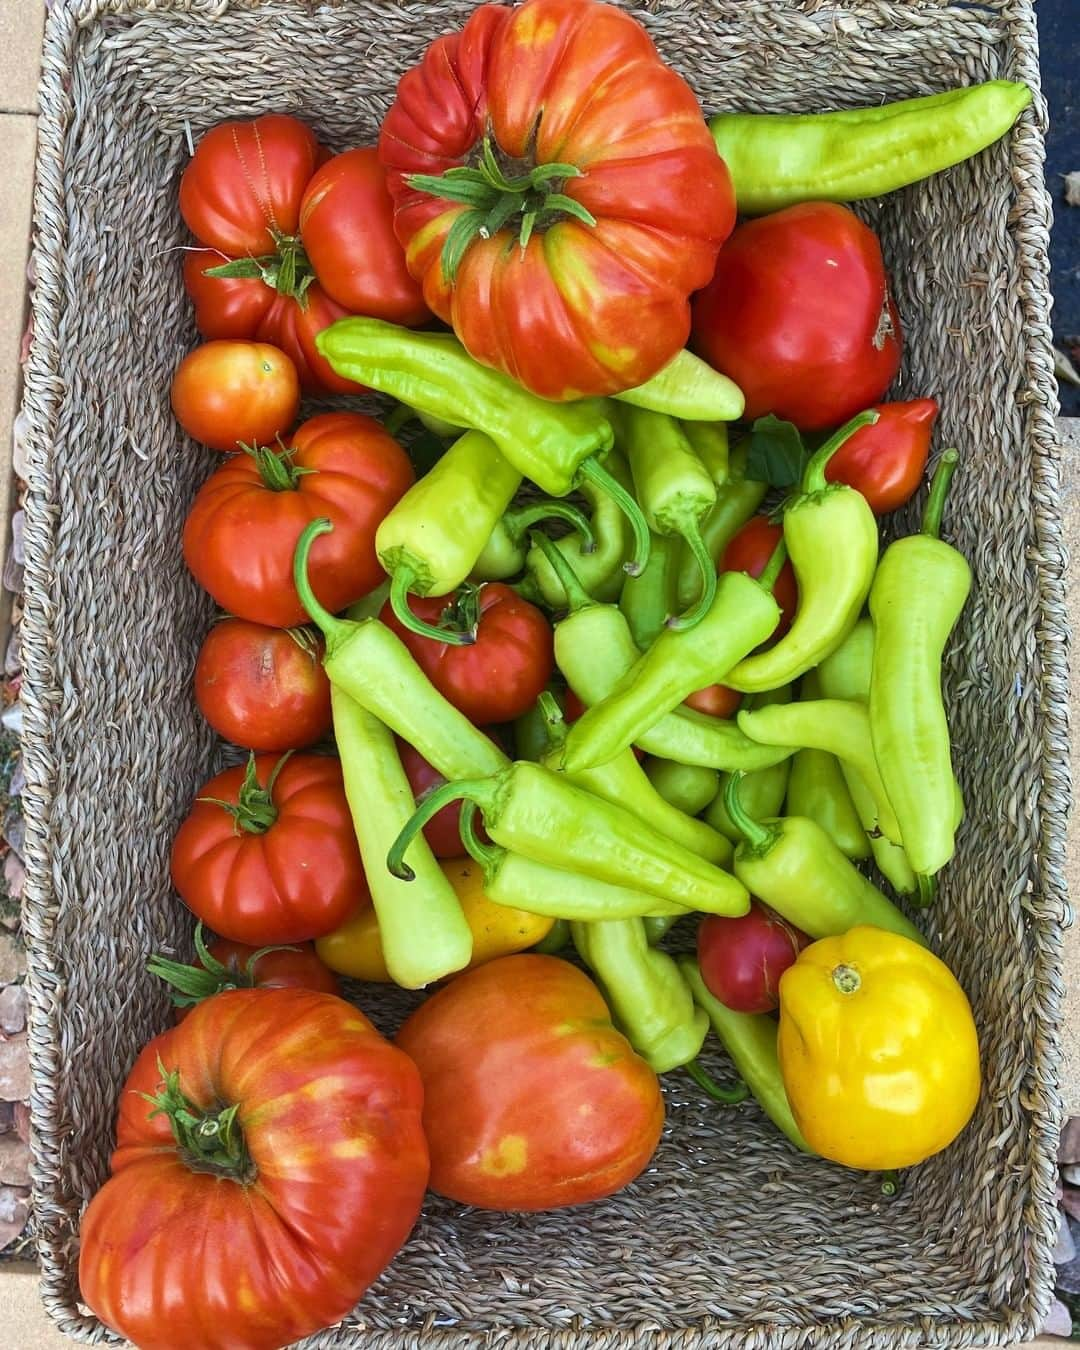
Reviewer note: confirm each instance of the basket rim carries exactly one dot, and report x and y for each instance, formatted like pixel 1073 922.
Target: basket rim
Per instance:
pixel 1048 907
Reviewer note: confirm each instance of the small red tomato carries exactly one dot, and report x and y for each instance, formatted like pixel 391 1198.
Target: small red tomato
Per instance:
pixel 715 700
pixel 263 688
pixel 268 854
pixel 443 830
pixel 799 315
pixel 225 394
pixel 233 965
pixel 750 550
pixel 886 461
pixel 742 959
pixel 347 225
pixel 500 675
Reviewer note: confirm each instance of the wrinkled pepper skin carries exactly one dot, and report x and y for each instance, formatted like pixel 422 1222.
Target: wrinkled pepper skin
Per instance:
pixel 878 1050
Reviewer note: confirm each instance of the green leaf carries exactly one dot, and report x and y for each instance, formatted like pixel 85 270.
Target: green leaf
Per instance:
pixel 460 235
pixel 472 191
pixel 557 201
pixel 777 454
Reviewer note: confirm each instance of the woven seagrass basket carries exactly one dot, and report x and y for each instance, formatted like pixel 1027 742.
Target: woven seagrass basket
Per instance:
pixel 729 1239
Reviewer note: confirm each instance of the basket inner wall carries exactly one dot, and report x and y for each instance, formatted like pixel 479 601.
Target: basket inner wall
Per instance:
pixel 727 1223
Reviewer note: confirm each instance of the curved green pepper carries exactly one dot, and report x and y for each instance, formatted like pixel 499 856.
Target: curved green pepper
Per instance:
pixel 423 932
pixel 532 811
pixel 761 792
pixel 918 593
pixel 556 445
pixel 780 159
pixel 816 788
pixel 793 865
pixel 737 498
pixel 649 599
pixel 832 540
pixel 685 787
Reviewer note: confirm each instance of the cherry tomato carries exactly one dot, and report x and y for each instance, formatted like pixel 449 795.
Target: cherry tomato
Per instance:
pixel 340 465
pixel 500 675
pixel 749 551
pixel 347 227
pixel 443 830
pixel 267 853
pixel 799 315
pixel 532 1099
pixel 263 688
pixel 715 700
pixel 742 959
pixel 228 393
pixel 886 461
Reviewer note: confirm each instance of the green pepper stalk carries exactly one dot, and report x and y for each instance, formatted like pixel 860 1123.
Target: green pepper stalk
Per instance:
pixel 557 445
pixel 918 593
pixel 518 882
pixel 780 159
pixel 737 498
pixel 685 787
pixel 791 864
pixel 532 811
pixel 373 666
pixel 690 389
pixel 832 540
pixel 423 931
pixel 623 781
pixel 750 1040
pixel 504 553
pixel 816 789
pixel 645 990
pixel 743 614
pixel 601 571
pixel 761 792
pixel 676 492
pixel 649 600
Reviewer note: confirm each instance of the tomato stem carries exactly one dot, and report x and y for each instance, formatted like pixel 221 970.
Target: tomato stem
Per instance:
pixel 210 1140
pixel 814 475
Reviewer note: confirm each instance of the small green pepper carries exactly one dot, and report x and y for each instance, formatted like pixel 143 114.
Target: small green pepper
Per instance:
pixel 649 599
pixel 919 591
pixel 504 553
pixel 684 787
pixel 737 498
pixel 373 666
pixel 816 789
pixel 792 865
pixel 750 1040
pixel 762 792
pixel 676 492
pixel 832 540
pixel 743 614
pixel 780 159
pixel 556 445
pixel 645 990
pixel 689 388
pixel 532 811
pixel 423 931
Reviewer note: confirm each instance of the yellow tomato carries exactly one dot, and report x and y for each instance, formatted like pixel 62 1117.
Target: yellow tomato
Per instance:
pixel 878 1050
pixel 355 949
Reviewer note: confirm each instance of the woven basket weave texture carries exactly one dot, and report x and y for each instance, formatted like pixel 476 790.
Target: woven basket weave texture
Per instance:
pixel 729 1239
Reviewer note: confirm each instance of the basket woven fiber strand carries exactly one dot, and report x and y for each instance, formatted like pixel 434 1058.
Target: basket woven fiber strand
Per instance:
pixel 729 1239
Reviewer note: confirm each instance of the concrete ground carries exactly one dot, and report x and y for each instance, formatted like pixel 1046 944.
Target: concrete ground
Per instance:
pixel 25 1323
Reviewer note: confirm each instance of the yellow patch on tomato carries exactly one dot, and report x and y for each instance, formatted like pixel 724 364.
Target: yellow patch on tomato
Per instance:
pixel 351 1148
pixel 613 358
pixel 507 1158
pixel 531 30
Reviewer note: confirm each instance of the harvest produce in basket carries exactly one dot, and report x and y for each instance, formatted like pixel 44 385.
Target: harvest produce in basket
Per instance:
pixel 612 644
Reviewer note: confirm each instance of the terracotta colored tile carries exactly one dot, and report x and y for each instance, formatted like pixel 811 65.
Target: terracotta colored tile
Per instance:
pixel 21 23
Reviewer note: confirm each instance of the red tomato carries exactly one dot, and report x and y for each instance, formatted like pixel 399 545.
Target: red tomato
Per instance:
pixel 263 688
pixel 267 853
pixel 799 315
pixel 225 394
pixel 886 461
pixel 532 1099
pixel 749 550
pixel 500 675
pixel 233 965
pixel 715 700
pixel 443 830
pixel 340 465
pixel 586 306
pixel 286 1099
pixel 742 959
pixel 347 226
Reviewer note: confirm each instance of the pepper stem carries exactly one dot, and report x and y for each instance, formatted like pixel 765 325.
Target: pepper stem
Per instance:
pixel 726 1096
pixel 939 490
pixel 517 521
pixel 487 855
pixel 773 567
pixel 554 721
pixel 479 790
pixel 927 892
pixel 400 581
pixel 814 476
pixel 703 558
pixel 577 597
pixel 334 630
pixel 755 834
pixel 595 472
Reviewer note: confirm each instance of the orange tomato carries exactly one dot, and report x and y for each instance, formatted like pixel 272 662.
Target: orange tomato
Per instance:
pixel 227 393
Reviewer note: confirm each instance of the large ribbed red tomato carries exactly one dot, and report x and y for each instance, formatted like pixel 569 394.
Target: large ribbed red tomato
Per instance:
pixel 285 1167
pixel 597 199
pixel 532 1099
pixel 244 523
pixel 268 854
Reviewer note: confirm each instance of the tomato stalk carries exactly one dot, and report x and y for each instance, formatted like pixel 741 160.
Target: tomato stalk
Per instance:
pixel 286 270
pixel 276 467
pixel 254 809
pixel 190 984
pixel 209 1141
pixel 528 201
